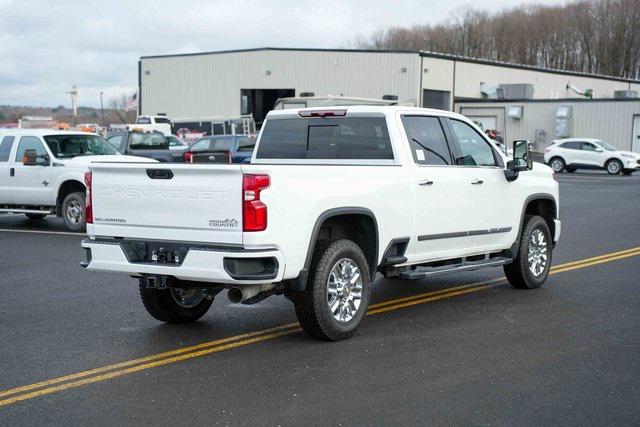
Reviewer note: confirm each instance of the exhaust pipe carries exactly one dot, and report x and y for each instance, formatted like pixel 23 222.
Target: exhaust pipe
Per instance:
pixel 250 294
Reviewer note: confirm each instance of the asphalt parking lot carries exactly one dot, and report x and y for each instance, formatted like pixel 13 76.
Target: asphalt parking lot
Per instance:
pixel 463 349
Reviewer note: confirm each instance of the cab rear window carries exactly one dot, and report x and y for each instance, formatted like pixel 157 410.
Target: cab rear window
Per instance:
pixel 326 139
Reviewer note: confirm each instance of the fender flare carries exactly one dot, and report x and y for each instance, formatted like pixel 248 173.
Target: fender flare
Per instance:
pixel 536 196
pixel 299 283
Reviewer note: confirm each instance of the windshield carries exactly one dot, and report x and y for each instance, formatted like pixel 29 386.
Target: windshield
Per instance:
pixel 606 146
pixel 68 146
pixel 148 141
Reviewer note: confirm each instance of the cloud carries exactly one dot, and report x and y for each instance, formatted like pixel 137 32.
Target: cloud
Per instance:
pixel 46 46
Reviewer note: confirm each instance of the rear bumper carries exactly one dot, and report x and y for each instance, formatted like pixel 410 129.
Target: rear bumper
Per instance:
pixel 199 264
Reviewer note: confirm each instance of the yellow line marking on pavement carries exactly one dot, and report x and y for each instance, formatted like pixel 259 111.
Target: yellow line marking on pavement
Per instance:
pixel 143 359
pixel 582 261
pixel 119 369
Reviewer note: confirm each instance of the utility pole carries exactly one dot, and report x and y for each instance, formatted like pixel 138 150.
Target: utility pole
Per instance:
pixel 74 103
pixel 102 109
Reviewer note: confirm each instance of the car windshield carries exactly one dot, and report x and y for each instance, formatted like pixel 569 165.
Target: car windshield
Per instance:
pixel 68 146
pixel 607 146
pixel 148 141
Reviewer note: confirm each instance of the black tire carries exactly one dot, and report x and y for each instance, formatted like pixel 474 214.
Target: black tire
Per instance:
pixel 518 272
pixel 312 305
pixel 35 217
pixel 570 169
pixel 161 304
pixel 613 167
pixel 557 164
pixel 74 201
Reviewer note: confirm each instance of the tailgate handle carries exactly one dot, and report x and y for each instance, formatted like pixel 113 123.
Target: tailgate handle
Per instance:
pixel 159 173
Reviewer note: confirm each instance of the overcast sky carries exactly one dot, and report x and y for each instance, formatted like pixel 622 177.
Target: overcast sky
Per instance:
pixel 46 46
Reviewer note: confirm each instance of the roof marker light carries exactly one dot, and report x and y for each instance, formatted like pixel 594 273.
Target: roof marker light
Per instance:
pixel 322 113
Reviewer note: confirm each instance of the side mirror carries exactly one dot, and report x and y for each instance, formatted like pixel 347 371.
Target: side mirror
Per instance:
pixel 30 158
pixel 521 161
pixel 599 150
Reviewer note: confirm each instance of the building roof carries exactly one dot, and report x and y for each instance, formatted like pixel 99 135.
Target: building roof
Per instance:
pixel 422 53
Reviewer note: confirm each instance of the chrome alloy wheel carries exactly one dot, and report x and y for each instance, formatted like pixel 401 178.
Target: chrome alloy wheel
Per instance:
pixel 537 252
pixel 188 297
pixel 557 166
pixel 344 290
pixel 74 212
pixel 613 167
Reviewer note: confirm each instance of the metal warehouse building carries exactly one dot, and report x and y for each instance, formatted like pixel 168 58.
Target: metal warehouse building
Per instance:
pixel 226 84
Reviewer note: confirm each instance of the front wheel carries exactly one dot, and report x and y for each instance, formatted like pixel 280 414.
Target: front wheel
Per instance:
pixel 337 295
pixel 175 305
pixel 614 167
pixel 73 211
pixel 530 267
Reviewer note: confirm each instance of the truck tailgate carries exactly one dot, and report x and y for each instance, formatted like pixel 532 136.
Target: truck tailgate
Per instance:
pixel 172 202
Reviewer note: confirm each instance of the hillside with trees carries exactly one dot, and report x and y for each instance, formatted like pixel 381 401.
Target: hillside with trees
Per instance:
pixel 594 36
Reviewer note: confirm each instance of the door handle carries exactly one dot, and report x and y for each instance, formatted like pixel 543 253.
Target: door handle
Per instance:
pixel 425 182
pixel 12 172
pixel 477 182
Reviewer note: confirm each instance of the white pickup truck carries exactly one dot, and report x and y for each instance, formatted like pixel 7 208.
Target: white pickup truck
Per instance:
pixel 331 197
pixel 147 124
pixel 42 172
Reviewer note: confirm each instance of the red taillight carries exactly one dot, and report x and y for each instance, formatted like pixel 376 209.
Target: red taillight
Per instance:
pixel 546 150
pixel 88 208
pixel 254 212
pixel 188 157
pixel 322 113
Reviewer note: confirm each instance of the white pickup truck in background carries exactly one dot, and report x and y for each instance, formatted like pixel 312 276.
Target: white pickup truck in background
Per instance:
pixel 42 172
pixel 147 124
pixel 331 197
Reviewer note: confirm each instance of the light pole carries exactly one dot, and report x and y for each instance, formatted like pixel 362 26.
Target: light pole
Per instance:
pixel 102 109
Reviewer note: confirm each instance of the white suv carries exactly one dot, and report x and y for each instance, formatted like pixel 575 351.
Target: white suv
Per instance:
pixel 587 153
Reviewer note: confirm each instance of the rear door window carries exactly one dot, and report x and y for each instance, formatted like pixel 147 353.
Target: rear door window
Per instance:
pixel 363 138
pixel 201 145
pixel 5 148
pixel 427 140
pixel 571 145
pixel 222 144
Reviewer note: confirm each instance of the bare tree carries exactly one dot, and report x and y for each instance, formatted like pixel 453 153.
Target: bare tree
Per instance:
pixel 595 36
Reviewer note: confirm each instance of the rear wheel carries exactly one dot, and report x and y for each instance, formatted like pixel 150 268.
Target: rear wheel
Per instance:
pixel 175 305
pixel 73 211
pixel 557 164
pixel 337 294
pixel 35 217
pixel 530 268
pixel 614 167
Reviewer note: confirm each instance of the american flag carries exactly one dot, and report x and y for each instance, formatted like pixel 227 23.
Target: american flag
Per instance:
pixel 131 103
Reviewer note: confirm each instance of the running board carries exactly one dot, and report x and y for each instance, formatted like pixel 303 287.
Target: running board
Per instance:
pixel 422 272
pixel 28 211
